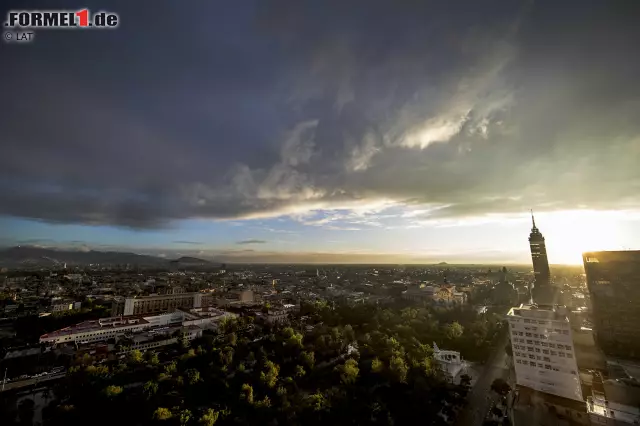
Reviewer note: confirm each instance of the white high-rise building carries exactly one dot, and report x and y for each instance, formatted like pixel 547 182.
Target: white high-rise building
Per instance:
pixel 543 353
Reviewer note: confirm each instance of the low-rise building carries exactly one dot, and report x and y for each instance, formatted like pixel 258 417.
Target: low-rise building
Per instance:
pixel 121 326
pixel 276 316
pixel 614 402
pixel 64 305
pixel 97 330
pixel 449 362
pixel 237 298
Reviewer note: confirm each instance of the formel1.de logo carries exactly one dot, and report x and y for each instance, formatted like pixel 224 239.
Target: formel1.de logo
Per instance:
pixel 23 23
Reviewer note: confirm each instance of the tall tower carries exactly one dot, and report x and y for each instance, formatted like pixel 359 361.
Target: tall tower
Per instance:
pixel 542 286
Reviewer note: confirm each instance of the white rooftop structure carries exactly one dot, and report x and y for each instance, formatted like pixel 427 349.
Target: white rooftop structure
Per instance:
pixel 450 362
pixel 119 326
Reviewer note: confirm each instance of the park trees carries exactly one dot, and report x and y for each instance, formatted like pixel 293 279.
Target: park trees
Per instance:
pixel 152 358
pixel 398 368
pixel 308 358
pixel 135 357
pixel 112 391
pixel 247 393
pixel 150 388
pixel 162 413
pixel 377 366
pixel 454 330
pixel 269 374
pixel 209 417
pixel 348 372
pixel 193 376
pixel 368 362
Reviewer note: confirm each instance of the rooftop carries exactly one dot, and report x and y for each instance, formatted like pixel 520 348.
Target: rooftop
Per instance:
pixel 95 325
pixel 163 296
pixel 623 391
pixel 527 394
pixel 207 312
pixel 557 313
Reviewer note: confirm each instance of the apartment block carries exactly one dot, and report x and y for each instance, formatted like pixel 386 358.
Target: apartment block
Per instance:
pixel 165 303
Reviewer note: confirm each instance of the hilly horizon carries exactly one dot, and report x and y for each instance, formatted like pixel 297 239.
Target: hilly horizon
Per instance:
pixel 32 255
pixel 24 255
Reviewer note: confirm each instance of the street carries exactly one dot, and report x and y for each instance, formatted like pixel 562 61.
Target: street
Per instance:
pixel 28 382
pixel 480 397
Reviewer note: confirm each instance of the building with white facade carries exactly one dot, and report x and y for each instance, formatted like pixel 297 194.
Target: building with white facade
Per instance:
pixel 276 316
pixel 118 327
pixel 165 303
pixel 158 303
pixel 61 306
pixel 95 331
pixel 543 352
pixel 64 305
pixel 449 362
pixel 237 298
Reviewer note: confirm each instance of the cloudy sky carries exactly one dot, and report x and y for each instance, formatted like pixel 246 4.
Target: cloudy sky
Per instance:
pixel 290 130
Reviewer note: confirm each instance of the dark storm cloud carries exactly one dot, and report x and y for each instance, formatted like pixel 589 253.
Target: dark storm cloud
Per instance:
pixel 265 108
pixel 251 242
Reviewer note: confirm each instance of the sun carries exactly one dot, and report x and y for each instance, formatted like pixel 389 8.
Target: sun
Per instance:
pixel 570 233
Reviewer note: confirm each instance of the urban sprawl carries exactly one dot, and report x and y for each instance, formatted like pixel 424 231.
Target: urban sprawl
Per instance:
pixel 503 342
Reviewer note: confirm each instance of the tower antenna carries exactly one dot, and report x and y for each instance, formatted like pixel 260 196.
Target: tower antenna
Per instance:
pixel 533 219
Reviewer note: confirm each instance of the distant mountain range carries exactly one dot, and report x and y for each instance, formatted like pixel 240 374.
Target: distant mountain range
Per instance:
pixel 37 256
pixel 186 260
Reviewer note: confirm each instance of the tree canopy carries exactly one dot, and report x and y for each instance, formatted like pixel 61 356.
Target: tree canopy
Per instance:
pixel 352 364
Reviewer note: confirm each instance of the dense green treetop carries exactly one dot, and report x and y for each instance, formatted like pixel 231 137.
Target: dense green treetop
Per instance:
pixel 359 364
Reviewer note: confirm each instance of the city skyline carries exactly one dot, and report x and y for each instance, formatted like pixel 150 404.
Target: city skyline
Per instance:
pixel 413 133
